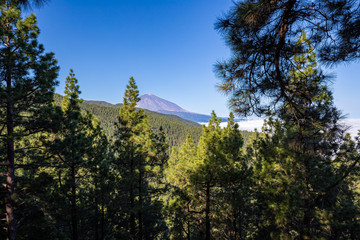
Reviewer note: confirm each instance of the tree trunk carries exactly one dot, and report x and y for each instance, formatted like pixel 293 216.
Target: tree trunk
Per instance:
pixel 132 202
pixel 207 212
pixel 201 228
pixel 102 217
pixel 234 218
pixel 96 208
pixel 73 205
pixel 188 229
pixel 281 42
pixel 188 224
pixel 10 177
pixel 140 207
pixel 234 226
pixel 10 148
pixel 306 226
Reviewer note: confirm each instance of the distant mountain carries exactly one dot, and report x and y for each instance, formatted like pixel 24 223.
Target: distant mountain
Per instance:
pixel 195 117
pixel 156 104
pixel 169 114
pixel 99 103
pixel 153 103
pixel 175 128
pixel 102 103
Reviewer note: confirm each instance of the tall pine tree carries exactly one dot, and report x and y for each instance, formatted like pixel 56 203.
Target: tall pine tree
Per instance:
pixel 262 36
pixel 182 201
pixel 27 84
pixel 302 175
pixel 134 149
pixel 209 185
pixel 72 148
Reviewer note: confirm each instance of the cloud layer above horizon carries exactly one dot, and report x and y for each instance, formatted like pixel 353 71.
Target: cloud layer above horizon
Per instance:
pixel 251 125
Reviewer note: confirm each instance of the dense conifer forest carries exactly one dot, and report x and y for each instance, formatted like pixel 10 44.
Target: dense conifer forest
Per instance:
pixel 74 169
pixel 176 129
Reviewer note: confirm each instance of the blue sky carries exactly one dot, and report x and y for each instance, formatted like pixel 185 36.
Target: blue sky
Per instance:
pixel 169 46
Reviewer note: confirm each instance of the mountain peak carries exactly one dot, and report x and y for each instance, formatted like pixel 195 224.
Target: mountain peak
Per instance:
pixel 154 103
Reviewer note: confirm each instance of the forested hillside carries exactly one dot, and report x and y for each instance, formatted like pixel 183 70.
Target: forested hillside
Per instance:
pixel 74 169
pixel 176 129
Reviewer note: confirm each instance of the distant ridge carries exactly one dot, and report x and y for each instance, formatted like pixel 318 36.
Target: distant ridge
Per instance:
pixel 176 129
pixel 99 103
pixel 195 117
pixel 153 103
pixel 156 104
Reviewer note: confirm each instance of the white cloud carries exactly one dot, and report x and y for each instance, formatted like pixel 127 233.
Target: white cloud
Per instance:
pixel 250 125
pixel 353 124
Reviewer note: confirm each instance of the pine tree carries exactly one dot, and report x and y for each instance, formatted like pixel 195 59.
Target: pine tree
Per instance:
pixel 262 36
pixel 222 168
pixel 301 179
pixel 234 195
pixel 30 3
pixel 182 203
pixel 210 185
pixel 72 148
pixel 73 140
pixel 96 184
pixel 206 174
pixel 27 85
pixel 134 151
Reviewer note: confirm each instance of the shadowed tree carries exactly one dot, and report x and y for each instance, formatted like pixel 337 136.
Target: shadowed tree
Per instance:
pixel 210 185
pixel 137 154
pixel 25 4
pixel 262 36
pixel 74 148
pixel 26 91
pixel 182 203
pixel 304 167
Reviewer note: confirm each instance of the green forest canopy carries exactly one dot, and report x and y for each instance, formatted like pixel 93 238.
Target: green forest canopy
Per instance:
pixel 90 170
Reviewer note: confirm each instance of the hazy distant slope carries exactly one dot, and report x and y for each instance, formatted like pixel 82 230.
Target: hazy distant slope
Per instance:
pixel 195 117
pixel 176 129
pixel 166 114
pixel 99 103
pixel 154 103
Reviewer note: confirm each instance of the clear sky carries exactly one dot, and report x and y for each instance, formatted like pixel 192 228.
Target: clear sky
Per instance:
pixel 169 46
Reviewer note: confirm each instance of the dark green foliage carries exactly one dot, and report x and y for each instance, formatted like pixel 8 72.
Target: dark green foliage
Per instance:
pixel 182 204
pixel 304 180
pixel 174 127
pixel 77 174
pixel 70 175
pixel 96 186
pixel 70 148
pixel 210 195
pixel 26 90
pixel 262 36
pixel 139 158
pixel 30 3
